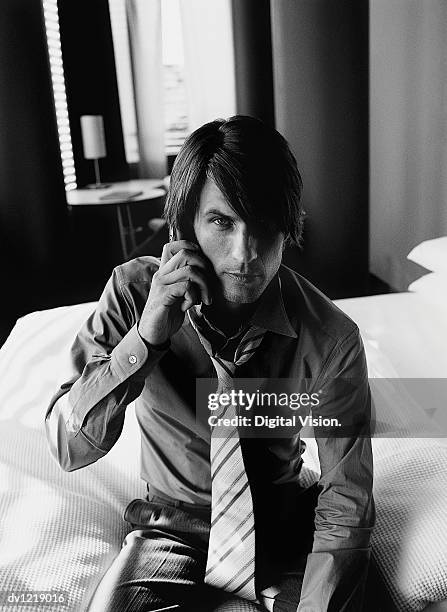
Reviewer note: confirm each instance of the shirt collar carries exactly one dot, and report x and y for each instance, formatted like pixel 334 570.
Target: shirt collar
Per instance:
pixel 270 313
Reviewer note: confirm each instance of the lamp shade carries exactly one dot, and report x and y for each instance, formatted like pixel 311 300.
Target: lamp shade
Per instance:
pixel 93 138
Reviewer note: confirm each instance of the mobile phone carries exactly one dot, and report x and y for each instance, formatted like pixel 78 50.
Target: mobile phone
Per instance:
pixel 176 234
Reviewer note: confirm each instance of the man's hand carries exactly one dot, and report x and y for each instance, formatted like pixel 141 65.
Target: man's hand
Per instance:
pixel 176 286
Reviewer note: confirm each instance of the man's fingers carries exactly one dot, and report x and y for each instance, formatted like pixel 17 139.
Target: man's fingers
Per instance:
pixel 182 258
pixel 190 299
pixel 188 273
pixel 188 292
pixel 171 248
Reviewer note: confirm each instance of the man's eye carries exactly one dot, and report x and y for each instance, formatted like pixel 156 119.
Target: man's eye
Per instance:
pixel 222 222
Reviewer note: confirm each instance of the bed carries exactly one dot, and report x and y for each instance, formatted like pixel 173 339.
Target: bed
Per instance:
pixel 60 531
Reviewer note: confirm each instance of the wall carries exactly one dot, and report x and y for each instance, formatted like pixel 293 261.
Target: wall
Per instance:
pixel 320 65
pixel 408 132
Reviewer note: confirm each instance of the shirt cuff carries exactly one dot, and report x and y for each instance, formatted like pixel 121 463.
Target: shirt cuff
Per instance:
pixel 133 356
pixel 335 580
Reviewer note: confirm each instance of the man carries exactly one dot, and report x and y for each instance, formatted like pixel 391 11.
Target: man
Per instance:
pixel 219 304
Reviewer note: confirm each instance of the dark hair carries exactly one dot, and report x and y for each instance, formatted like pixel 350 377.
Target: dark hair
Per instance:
pixel 251 164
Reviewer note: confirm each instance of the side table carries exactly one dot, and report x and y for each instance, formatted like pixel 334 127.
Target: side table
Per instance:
pixel 148 189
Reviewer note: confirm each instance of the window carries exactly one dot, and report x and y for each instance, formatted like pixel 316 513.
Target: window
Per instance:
pixel 121 47
pixel 176 113
pixel 175 116
pixel 190 98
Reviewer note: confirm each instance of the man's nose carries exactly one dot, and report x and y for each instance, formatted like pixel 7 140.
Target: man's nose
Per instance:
pixel 244 248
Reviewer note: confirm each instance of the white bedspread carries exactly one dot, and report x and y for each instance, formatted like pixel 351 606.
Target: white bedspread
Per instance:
pixel 405 336
pixel 60 531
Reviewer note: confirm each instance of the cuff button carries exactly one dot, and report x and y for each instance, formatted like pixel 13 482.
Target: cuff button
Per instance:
pixel 132 359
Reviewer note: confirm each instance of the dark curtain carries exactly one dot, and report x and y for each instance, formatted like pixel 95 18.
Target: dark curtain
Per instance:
pixel 302 66
pixel 33 215
pixel 253 59
pixel 321 68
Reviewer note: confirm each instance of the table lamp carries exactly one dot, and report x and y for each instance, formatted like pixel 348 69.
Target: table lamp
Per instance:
pixel 94 143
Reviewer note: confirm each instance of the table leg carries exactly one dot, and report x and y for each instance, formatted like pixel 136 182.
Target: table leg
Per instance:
pixel 130 229
pixel 122 232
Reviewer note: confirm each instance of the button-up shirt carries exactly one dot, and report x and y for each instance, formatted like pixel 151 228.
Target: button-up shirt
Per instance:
pixel 307 337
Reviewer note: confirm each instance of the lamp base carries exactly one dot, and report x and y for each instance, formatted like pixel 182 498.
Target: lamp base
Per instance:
pixel 98 186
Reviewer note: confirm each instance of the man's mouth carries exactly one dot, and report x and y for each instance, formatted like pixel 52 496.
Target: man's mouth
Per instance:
pixel 244 278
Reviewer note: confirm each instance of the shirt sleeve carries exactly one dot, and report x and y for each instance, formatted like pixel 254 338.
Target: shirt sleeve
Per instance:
pixel 337 567
pixel 110 362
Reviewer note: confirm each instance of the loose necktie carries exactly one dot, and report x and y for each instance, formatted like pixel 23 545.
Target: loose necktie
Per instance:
pixel 231 551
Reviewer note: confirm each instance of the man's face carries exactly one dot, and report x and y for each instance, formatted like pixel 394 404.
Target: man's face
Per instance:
pixel 245 256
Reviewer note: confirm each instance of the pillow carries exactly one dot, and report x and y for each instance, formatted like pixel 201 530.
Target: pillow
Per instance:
pixel 432 287
pixel 431 254
pixel 434 281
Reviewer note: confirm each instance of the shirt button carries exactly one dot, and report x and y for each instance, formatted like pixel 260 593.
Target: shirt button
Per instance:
pixel 132 359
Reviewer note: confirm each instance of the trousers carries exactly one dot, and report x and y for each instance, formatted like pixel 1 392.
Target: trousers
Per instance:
pixel 161 565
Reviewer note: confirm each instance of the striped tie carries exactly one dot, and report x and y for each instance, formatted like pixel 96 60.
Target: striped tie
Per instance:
pixel 231 551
